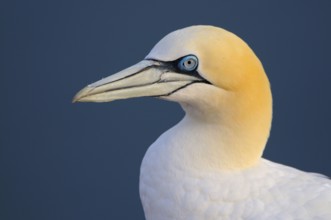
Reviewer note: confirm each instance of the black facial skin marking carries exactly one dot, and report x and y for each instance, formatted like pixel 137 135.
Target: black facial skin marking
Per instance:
pixel 172 66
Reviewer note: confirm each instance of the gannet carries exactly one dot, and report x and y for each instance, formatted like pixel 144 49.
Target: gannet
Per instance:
pixel 209 166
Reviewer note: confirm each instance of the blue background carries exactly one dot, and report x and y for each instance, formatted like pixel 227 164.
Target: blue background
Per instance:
pixel 60 160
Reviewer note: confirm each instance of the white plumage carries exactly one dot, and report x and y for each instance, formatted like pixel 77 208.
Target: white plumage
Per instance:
pixel 171 187
pixel 209 165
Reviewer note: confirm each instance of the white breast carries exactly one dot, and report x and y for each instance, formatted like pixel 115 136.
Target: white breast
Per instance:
pixel 171 188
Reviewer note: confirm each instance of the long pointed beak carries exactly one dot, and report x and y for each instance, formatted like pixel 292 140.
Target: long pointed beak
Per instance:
pixel 146 78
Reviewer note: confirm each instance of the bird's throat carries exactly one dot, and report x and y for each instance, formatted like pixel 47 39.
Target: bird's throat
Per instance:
pixel 225 136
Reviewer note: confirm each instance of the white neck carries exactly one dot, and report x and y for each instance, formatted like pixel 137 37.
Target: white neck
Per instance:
pixel 228 133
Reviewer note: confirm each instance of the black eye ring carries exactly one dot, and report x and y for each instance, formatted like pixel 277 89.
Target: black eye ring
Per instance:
pixel 188 63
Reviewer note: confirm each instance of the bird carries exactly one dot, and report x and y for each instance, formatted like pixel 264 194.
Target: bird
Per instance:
pixel 209 166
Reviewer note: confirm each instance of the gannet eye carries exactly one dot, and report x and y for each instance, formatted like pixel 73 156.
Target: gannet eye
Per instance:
pixel 188 63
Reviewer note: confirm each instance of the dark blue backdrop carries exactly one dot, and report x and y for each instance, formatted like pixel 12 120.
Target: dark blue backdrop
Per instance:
pixel 81 161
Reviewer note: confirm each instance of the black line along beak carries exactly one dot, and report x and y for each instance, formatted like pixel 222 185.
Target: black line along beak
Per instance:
pixel 146 78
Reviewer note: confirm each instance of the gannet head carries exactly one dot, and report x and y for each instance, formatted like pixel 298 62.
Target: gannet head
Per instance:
pixel 211 72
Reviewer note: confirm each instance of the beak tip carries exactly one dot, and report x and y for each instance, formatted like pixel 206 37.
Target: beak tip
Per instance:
pixel 79 97
pixel 76 98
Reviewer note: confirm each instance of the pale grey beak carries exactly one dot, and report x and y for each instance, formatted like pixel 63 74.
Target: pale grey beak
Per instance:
pixel 146 78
